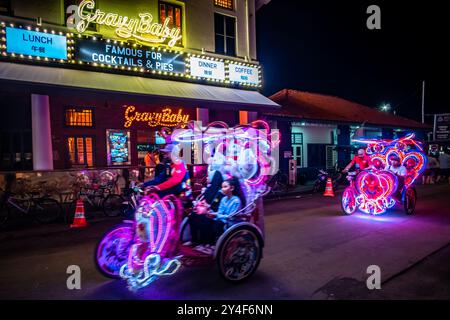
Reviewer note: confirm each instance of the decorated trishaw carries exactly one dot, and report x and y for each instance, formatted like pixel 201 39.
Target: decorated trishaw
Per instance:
pixel 152 245
pixel 377 188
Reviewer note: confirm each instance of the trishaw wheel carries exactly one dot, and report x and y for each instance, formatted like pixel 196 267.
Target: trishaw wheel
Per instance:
pixel 239 254
pixel 410 201
pixel 112 250
pixel 348 201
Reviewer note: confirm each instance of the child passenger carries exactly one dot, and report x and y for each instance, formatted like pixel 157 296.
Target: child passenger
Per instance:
pixel 231 202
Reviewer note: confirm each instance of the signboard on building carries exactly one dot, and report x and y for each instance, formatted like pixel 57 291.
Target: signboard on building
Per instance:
pixel 108 53
pixel 94 53
pixel 142 27
pixel 34 43
pixel 166 118
pixel 118 147
pixel 442 127
pixel 243 74
pixel 206 68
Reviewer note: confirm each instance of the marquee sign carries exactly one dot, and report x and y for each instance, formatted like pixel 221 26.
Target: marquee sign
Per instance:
pixel 112 54
pixel 57 48
pixel 243 74
pixel 142 28
pixel 207 68
pixel 33 43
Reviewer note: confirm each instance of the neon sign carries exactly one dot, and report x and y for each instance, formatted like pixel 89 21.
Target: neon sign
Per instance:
pixel 166 117
pixel 142 29
pixel 376 187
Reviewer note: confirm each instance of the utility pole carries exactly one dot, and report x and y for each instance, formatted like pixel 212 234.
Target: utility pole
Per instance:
pixel 423 101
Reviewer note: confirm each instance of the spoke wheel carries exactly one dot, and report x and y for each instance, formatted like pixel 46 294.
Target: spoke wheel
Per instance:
pixel 240 254
pixel 348 201
pixel 113 205
pixel 112 250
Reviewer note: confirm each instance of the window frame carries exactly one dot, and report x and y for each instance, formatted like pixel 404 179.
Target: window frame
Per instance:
pixel 76 164
pixel 224 35
pixel 175 6
pixel 225 8
pixel 78 108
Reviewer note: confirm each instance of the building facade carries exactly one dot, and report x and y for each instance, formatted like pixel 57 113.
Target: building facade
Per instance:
pixel 89 84
pixel 318 129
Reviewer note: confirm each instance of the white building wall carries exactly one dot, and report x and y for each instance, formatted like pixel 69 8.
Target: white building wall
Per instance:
pixel 314 134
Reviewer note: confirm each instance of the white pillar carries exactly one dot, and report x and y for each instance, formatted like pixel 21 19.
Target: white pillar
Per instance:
pixel 42 133
pixel 203 116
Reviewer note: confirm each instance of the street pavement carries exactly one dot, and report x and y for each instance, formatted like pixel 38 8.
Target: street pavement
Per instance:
pixel 312 252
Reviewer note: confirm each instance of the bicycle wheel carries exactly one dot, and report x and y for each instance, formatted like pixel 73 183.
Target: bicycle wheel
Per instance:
pixel 113 205
pixel 47 210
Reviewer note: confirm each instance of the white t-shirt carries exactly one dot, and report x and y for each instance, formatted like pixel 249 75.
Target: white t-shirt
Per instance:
pixel 400 170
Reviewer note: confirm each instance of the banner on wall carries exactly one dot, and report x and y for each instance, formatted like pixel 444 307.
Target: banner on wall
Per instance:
pixel 442 127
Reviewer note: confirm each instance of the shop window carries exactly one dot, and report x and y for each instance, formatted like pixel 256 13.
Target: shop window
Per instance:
pixel 5 8
pixel 172 12
pixel 331 155
pixel 297 138
pixel 79 117
pixel 68 3
pixel 225 34
pixel 80 150
pixel 227 4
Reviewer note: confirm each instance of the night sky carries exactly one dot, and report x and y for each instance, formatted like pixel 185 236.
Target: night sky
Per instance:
pixel 325 47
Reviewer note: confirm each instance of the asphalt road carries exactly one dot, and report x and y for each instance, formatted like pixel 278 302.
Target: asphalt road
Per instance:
pixel 312 252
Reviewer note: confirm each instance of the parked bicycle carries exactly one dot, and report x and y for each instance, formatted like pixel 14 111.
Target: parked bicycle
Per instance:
pixel 41 207
pixel 97 196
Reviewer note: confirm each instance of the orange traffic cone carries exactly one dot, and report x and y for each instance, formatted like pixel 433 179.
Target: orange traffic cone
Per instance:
pixel 80 219
pixel 329 188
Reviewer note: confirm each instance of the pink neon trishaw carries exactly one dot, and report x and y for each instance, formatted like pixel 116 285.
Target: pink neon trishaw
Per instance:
pixel 377 189
pixel 151 245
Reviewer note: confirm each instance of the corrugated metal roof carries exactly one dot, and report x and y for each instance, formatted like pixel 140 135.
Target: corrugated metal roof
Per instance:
pixel 131 84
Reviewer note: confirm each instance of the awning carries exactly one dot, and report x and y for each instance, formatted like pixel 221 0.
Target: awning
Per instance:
pixel 130 84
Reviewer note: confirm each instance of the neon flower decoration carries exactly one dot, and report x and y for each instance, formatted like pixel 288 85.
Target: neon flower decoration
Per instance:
pixel 375 191
pixel 375 186
pixel 244 151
